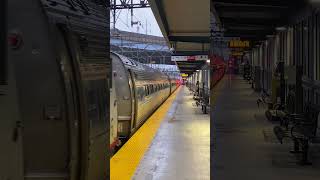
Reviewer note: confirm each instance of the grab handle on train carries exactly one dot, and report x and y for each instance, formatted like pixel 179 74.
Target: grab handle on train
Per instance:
pixel 16 131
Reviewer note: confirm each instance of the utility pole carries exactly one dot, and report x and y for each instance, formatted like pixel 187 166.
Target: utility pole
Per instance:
pixel 114 15
pixel 130 5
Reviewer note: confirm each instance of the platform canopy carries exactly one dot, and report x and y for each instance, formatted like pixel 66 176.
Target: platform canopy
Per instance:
pixel 254 20
pixel 185 24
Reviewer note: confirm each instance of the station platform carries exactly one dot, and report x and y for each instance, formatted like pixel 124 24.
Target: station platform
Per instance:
pixel 244 146
pixel 173 144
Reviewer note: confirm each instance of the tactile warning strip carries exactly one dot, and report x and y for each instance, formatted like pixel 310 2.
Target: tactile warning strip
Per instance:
pixel 124 163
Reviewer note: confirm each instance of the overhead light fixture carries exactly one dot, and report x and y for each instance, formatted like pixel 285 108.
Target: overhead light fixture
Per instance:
pixel 282 28
pixel 197 70
pixel 270 36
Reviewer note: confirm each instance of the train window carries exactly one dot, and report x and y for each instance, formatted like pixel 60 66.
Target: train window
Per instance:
pixel 146 90
pixel 300 48
pixel 310 47
pixel 295 40
pixel 140 92
pixel 318 46
pixel 305 47
pixel 3 42
pixel 314 46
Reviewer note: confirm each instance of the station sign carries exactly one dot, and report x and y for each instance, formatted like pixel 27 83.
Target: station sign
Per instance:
pixel 190 58
pixel 236 53
pixel 239 44
pixel 184 75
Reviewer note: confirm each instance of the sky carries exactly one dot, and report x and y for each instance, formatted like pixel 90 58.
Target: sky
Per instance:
pixel 148 23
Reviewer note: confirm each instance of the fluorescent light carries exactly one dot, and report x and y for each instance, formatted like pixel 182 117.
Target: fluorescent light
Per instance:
pixel 281 28
pixel 270 36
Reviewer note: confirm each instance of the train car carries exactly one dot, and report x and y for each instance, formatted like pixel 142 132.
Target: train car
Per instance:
pixel 54 95
pixel 139 91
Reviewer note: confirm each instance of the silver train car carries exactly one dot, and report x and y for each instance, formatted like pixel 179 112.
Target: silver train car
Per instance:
pixel 54 95
pixel 139 90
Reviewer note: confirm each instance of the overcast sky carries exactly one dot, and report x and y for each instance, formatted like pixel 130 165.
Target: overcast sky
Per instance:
pixel 147 22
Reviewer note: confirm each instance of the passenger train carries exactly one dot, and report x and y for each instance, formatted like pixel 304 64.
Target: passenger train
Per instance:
pixel 54 95
pixel 137 91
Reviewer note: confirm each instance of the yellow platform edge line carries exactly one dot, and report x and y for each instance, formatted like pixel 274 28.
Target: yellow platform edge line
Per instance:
pixel 125 162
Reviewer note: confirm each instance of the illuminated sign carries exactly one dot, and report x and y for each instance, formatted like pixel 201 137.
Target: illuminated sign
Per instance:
pixel 190 58
pixel 184 75
pixel 239 44
pixel 237 53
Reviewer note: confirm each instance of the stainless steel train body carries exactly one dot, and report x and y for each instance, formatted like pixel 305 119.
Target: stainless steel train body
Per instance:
pixel 140 90
pixel 54 95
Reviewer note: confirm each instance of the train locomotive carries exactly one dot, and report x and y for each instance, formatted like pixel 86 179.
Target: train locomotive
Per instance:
pixel 137 91
pixel 54 89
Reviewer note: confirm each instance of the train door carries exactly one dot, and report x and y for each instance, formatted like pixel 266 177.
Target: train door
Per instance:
pixel 44 104
pixel 55 107
pixel 134 102
pixel 94 98
pixel 69 72
pixel 43 124
pixel 113 114
pixel 11 146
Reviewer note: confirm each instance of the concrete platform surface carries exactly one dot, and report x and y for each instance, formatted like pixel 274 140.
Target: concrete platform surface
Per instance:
pixel 244 146
pixel 181 147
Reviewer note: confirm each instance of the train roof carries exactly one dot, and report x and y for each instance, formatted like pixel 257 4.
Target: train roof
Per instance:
pixel 139 67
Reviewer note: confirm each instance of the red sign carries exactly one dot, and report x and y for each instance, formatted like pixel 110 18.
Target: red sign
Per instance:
pixel 191 58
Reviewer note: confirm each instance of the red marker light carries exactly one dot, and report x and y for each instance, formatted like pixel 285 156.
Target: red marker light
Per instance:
pixel 14 41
